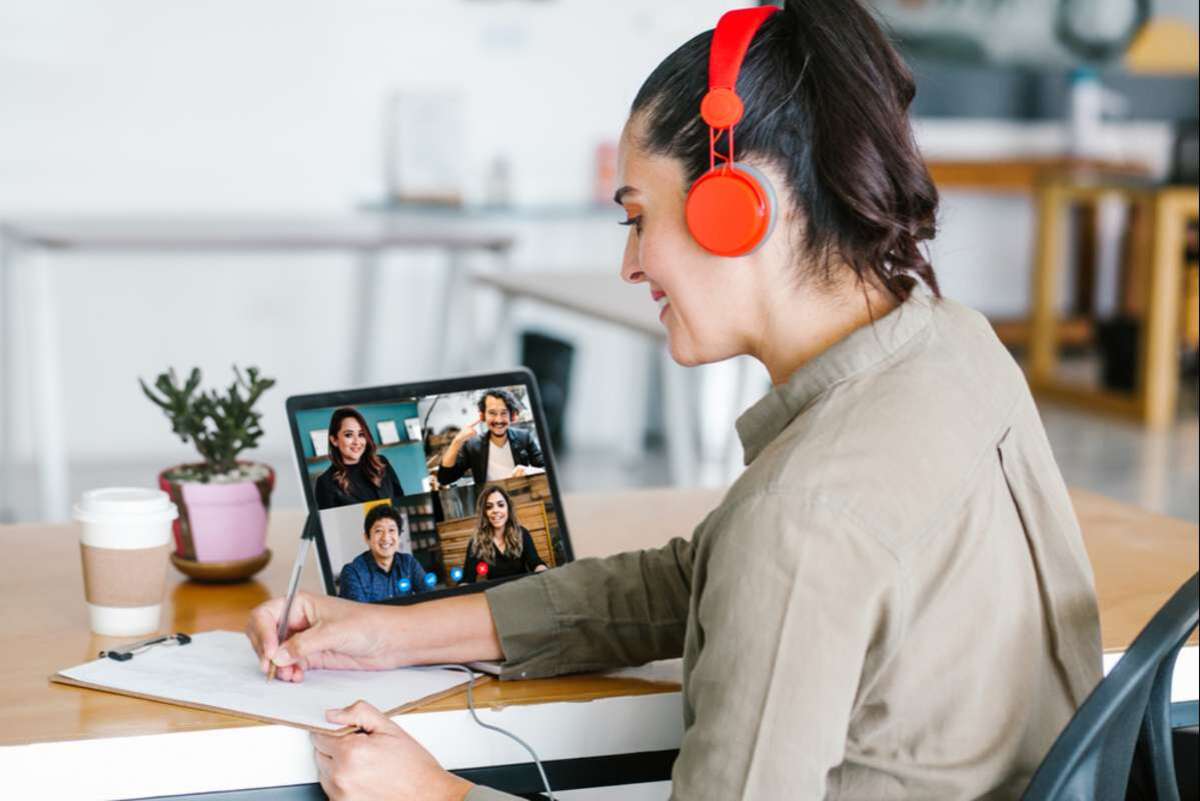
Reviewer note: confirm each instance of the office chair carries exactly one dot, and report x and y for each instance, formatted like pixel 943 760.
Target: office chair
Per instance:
pixel 1129 710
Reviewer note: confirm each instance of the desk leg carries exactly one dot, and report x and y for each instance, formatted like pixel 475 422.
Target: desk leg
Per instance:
pixel 364 310
pixel 8 381
pixel 50 445
pixel 679 401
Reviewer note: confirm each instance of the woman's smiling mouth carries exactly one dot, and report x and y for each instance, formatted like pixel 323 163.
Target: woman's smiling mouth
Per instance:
pixel 662 300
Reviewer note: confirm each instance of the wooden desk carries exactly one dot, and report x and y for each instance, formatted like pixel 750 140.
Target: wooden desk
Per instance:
pixel 130 747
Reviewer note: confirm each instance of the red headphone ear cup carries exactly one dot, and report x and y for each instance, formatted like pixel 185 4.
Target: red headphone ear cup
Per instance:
pixel 768 190
pixel 731 211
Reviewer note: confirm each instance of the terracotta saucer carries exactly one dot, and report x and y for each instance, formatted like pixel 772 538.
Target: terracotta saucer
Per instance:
pixel 222 572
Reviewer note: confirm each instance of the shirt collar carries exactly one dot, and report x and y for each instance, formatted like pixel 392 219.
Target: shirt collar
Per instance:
pixel 862 350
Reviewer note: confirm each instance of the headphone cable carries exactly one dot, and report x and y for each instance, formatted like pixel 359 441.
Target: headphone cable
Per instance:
pixel 471 708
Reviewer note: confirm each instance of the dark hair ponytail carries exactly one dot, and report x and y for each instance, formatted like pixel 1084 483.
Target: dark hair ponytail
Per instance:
pixel 826 99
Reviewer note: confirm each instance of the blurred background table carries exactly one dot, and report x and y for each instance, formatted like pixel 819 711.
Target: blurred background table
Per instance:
pixel 29 244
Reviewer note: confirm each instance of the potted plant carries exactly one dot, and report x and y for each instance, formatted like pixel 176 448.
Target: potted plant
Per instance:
pixel 221 531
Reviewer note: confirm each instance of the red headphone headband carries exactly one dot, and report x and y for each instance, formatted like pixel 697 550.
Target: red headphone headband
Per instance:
pixel 721 107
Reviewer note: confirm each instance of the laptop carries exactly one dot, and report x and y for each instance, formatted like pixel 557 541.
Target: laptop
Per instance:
pixel 430 489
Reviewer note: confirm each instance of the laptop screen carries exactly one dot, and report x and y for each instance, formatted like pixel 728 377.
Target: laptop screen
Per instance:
pixel 432 489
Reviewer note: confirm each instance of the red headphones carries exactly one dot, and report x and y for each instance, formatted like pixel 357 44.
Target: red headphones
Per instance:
pixel 731 208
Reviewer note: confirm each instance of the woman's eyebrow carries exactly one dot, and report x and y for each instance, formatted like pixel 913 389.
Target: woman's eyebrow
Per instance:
pixel 620 194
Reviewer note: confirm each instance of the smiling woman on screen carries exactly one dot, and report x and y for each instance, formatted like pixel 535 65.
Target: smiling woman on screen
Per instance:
pixel 501 546
pixel 357 472
pixel 893 599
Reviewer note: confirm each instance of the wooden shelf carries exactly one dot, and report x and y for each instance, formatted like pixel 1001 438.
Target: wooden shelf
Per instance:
pixel 1072 332
pixel 1022 175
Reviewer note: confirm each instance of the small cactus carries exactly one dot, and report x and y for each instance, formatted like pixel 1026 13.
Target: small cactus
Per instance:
pixel 220 426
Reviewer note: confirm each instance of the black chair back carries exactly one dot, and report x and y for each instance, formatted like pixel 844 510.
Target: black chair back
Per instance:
pixel 1130 710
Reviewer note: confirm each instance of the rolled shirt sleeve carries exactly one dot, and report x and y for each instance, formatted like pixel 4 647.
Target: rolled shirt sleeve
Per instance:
pixel 595 614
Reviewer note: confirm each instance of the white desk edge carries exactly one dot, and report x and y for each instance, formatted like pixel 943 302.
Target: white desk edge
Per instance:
pixel 274 756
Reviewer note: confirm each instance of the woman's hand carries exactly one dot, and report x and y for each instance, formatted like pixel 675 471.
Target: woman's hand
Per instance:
pixel 322 632
pixel 380 762
pixel 334 633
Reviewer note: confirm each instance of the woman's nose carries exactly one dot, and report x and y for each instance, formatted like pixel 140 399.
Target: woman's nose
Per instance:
pixel 631 269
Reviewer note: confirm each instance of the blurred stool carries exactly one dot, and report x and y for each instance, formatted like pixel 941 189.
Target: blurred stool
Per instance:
pixel 1151 322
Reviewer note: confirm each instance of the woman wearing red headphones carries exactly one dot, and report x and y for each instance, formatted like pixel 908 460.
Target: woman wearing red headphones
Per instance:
pixel 893 600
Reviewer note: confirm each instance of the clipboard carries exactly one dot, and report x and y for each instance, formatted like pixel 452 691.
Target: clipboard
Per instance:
pixel 217 671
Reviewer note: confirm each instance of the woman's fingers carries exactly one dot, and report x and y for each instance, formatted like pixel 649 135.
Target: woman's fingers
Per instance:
pixel 311 636
pixel 323 633
pixel 378 760
pixel 361 715
pixel 263 629
pixel 326 745
pixel 325 765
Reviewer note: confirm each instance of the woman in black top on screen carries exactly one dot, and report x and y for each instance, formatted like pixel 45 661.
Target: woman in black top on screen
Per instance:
pixel 501 546
pixel 358 473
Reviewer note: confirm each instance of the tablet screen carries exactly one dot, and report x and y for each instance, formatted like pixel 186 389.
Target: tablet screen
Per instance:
pixel 423 492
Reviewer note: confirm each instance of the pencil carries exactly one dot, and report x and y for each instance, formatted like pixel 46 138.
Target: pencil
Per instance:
pixel 294 584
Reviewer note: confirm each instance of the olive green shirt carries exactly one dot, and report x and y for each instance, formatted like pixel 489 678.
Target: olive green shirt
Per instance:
pixel 892 601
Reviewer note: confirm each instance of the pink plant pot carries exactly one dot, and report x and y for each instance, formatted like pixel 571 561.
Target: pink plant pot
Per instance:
pixel 220 524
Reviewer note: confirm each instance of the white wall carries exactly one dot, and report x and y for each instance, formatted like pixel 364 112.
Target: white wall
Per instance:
pixel 145 105
pixel 271 107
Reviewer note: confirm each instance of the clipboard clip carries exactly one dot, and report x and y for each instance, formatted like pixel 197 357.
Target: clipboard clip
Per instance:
pixel 178 638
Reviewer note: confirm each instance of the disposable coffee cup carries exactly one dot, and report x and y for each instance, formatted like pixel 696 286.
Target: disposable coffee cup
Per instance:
pixel 124 543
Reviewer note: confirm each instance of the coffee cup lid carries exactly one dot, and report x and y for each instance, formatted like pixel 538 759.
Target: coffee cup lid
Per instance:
pixel 124 502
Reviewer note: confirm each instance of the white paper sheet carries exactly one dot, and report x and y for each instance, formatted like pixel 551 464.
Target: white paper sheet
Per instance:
pixel 219 669
pixel 388 434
